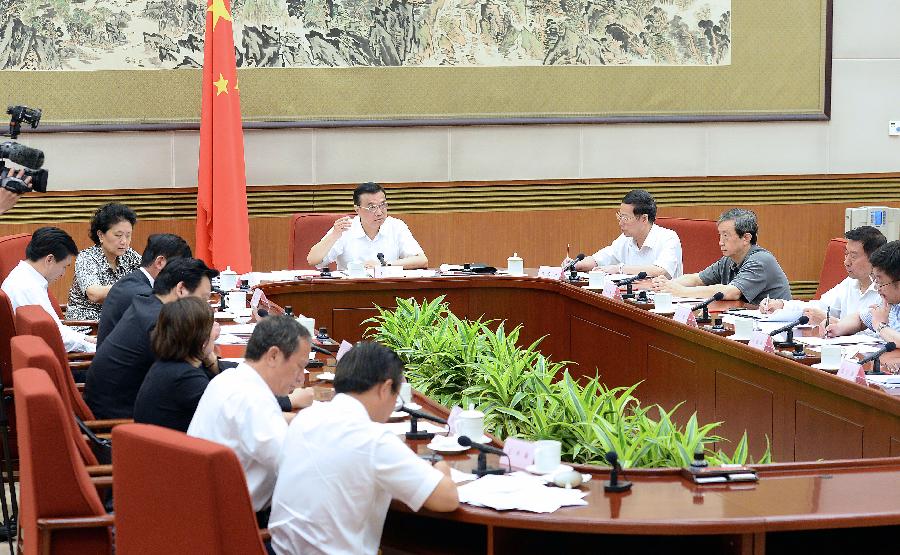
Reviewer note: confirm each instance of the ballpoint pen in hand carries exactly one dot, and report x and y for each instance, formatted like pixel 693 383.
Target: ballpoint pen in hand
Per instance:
pixel 764 304
pixel 827 317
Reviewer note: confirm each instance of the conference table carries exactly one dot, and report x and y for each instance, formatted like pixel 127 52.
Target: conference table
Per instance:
pixel 833 440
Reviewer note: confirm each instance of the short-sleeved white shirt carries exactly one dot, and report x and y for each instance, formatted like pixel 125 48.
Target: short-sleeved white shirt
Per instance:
pixel 843 299
pixel 662 248
pixel 239 410
pixel 394 240
pixel 25 286
pixel 338 473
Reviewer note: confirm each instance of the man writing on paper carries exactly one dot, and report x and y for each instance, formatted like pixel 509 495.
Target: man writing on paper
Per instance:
pixel 882 318
pixel 340 467
pixel 643 246
pixel 854 294
pixel 746 271
pixel 372 231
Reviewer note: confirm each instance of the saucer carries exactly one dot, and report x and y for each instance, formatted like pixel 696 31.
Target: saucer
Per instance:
pixel 413 406
pixel 445 446
pixel 398 415
pixel 820 366
pixel 561 468
pixel 325 376
pixel 736 338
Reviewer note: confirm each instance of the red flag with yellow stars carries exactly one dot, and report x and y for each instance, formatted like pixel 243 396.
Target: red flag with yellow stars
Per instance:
pixel 223 227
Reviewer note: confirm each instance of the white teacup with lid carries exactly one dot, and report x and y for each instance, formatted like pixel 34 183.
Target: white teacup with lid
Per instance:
pixel 515 265
pixel 228 279
pixel 470 423
pixel 596 278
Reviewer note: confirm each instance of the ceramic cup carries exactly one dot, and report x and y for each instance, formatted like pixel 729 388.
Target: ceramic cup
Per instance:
pixel 547 453
pixel 663 302
pixel 515 265
pixel 356 270
pixel 596 278
pixel 831 356
pixel 743 328
pixel 406 393
pixel 308 323
pixel 236 301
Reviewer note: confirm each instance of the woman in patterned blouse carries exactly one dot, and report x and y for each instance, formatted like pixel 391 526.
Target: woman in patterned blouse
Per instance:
pixel 99 267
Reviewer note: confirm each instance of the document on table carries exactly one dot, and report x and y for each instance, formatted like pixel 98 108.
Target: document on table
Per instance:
pixel 423 426
pixel 859 339
pixel 228 339
pixel 519 491
pixel 239 329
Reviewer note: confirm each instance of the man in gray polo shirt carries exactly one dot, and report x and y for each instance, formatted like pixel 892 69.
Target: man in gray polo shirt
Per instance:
pixel 746 272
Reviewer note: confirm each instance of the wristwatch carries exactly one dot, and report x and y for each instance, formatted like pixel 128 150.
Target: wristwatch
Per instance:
pixel 880 326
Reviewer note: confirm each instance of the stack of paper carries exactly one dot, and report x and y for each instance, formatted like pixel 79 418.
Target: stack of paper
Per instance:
pixel 519 491
pixel 890 383
pixel 423 426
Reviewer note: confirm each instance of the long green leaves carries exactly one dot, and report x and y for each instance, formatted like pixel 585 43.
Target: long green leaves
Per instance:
pixel 524 394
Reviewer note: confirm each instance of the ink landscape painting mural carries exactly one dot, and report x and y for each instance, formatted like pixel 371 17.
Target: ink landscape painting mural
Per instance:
pixel 84 35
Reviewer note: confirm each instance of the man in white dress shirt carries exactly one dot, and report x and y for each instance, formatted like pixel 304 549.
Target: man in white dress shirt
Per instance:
pixel 238 408
pixel 643 246
pixel 340 467
pixel 855 293
pixel 47 256
pixel 371 232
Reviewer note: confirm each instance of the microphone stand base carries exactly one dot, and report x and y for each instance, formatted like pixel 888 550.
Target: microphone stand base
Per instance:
pixel 618 487
pixel 415 436
pixel 488 470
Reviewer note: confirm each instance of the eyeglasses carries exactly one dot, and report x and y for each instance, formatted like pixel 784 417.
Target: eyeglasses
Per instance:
pixel 624 217
pixel 880 286
pixel 372 208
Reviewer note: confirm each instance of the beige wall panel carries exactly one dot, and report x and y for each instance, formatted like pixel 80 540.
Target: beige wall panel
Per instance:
pixel 866 29
pixel 866 96
pixel 186 146
pixel 515 152
pixel 780 148
pixel 389 155
pixel 651 149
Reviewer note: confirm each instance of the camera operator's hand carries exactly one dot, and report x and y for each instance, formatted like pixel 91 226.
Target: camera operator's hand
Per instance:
pixel 8 199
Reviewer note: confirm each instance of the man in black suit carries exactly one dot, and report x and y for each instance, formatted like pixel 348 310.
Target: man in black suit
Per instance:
pixel 161 248
pixel 122 362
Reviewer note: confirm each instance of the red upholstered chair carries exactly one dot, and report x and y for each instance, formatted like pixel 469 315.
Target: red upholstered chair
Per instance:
pixel 196 502
pixel 699 241
pixel 29 351
pixel 306 231
pixel 833 271
pixel 61 511
pixel 7 331
pixel 34 320
pixel 12 250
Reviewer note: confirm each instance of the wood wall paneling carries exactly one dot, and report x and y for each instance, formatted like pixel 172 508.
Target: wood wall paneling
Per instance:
pixel 605 351
pixel 671 379
pixel 741 405
pixel 822 434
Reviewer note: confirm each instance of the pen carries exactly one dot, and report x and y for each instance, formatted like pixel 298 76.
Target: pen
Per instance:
pixel 568 249
pixel 764 304
pixel 827 317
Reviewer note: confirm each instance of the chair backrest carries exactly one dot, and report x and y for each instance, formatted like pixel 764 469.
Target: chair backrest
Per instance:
pixel 179 494
pixel 30 351
pixel 12 250
pixel 7 331
pixel 306 231
pixel 53 480
pixel 699 241
pixel 34 320
pixel 833 271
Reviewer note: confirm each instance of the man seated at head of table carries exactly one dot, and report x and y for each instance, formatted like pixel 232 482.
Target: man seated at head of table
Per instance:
pixel 238 408
pixel 161 247
pixel 883 318
pixel 372 231
pixel 746 272
pixel 122 361
pixel 852 295
pixel 643 246
pixel 47 256
pixel 340 467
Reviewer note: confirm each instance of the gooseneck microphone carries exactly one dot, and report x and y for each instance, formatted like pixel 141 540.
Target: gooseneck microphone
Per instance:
pixel 20 154
pixel 420 414
pixel 798 322
pixel 414 432
pixel 482 468
pixel 574 261
pixel 381 259
pixel 628 283
pixel 874 357
pixel 704 317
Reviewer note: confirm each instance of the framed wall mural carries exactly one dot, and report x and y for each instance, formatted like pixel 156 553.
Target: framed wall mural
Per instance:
pixel 127 63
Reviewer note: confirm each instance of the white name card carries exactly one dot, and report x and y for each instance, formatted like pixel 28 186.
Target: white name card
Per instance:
pixel 519 451
pixel 611 290
pixel 852 371
pixel 685 315
pixel 762 341
pixel 550 272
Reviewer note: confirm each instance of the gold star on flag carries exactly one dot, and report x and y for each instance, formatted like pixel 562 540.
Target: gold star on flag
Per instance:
pixel 219 11
pixel 221 85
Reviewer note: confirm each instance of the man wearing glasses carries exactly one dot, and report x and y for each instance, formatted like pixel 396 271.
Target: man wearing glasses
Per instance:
pixel 882 318
pixel 372 231
pixel 643 246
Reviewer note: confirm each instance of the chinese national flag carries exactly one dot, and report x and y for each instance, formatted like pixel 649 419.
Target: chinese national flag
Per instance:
pixel 223 229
